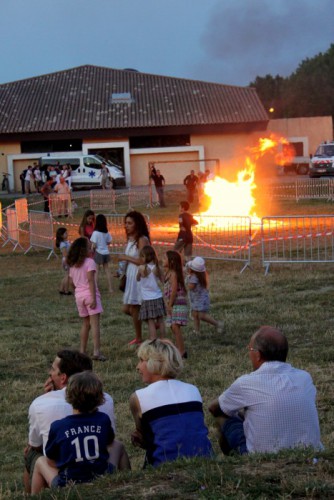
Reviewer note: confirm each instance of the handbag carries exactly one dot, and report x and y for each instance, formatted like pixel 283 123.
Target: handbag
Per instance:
pixel 122 283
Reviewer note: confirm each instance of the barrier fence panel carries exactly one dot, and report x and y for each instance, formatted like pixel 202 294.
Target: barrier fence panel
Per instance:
pixel 3 230
pixel 303 189
pixel 41 232
pixel 60 205
pixel 139 197
pixel 297 239
pixel 318 189
pixel 284 191
pixel 223 238
pixel 102 200
pixel 13 231
pixel 115 224
pixel 21 207
pixel 217 237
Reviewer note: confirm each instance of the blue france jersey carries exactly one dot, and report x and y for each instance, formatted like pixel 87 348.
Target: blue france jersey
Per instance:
pixel 78 444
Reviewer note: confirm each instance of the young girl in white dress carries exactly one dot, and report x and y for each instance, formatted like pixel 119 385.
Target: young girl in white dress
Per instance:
pixel 100 240
pixel 152 307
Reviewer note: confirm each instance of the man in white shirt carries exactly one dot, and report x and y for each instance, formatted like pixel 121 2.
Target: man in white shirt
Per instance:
pixel 272 408
pixel 64 192
pixel 28 178
pixel 53 406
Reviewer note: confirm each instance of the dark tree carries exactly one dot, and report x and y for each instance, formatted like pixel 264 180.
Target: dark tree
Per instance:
pixel 309 91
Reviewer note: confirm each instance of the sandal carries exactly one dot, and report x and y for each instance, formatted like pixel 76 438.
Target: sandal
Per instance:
pixel 135 342
pixel 99 357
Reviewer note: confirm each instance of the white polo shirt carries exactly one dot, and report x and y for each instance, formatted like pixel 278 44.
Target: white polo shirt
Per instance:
pixel 52 406
pixel 279 404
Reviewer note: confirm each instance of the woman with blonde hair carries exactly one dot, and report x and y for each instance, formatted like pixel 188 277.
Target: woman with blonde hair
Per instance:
pixel 168 414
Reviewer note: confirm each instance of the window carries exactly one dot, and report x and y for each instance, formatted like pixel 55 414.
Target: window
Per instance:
pixel 91 162
pixel 52 146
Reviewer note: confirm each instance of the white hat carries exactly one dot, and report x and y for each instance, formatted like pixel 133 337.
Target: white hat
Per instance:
pixel 197 264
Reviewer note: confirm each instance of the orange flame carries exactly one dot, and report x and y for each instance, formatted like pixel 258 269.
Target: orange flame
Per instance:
pixel 238 198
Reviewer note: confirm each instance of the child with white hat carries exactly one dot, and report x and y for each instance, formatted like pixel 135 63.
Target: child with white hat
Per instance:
pixel 197 282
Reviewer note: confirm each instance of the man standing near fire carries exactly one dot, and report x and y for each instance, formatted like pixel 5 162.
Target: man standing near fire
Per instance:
pixel 191 183
pixel 159 182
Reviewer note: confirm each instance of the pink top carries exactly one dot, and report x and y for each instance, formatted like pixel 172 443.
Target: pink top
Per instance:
pixel 88 230
pixel 80 277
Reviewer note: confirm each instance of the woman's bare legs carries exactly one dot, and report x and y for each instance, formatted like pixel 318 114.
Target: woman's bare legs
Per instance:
pixel 136 321
pixel 133 311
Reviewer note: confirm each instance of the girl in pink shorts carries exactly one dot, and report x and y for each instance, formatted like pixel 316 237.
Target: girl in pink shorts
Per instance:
pixel 87 296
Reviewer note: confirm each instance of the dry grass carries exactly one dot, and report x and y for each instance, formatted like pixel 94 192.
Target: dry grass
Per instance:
pixel 36 322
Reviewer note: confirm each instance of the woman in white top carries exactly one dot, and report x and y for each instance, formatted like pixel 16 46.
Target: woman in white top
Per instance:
pixel 100 240
pixel 152 307
pixel 138 236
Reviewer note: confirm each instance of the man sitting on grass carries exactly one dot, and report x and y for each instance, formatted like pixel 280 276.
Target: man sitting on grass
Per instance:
pixel 272 408
pixel 77 448
pixel 53 406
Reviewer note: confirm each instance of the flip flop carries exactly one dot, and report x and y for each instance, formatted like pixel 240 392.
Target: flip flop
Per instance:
pixel 135 342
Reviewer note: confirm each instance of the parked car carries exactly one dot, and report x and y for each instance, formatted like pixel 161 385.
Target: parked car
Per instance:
pixel 86 169
pixel 322 163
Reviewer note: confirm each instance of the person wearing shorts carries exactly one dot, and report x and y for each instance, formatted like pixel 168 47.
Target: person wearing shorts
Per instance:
pixel 87 296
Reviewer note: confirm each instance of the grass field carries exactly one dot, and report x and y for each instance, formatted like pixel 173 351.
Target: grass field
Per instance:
pixel 35 322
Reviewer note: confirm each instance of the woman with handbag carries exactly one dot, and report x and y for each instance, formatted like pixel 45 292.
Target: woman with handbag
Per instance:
pixel 138 236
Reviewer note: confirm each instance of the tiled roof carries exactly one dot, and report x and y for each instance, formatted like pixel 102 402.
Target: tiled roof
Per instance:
pixel 81 99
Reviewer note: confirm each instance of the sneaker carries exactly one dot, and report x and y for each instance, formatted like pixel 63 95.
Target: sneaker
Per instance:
pixel 220 327
pixel 99 357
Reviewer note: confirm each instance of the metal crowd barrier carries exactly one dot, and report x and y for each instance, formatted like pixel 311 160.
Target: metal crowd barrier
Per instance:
pixel 103 200
pixel 13 230
pixel 115 224
pixel 304 189
pixel 60 205
pixel 21 207
pixel 215 237
pixel 41 232
pixel 120 202
pixel 297 239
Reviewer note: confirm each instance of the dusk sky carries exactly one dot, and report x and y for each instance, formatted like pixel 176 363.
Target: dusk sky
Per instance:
pixel 224 41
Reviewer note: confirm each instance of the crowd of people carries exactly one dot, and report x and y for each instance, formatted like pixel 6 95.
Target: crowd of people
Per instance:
pixel 72 432
pixel 33 177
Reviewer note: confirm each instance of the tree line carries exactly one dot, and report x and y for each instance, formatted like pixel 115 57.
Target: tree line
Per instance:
pixel 309 91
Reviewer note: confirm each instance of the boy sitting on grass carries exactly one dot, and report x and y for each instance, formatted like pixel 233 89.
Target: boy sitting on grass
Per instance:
pixel 77 448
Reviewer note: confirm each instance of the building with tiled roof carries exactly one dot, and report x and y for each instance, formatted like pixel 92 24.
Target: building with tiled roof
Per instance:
pixel 132 117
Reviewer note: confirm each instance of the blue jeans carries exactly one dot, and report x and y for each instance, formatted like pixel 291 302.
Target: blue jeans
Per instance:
pixel 233 432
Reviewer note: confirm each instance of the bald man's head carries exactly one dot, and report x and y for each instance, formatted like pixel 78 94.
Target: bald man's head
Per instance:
pixel 271 343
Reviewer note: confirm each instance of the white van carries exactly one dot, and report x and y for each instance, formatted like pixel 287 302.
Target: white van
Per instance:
pixel 86 169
